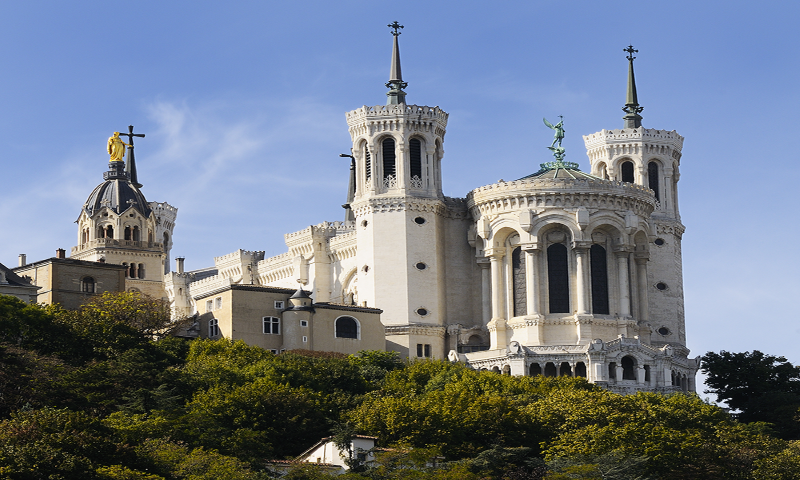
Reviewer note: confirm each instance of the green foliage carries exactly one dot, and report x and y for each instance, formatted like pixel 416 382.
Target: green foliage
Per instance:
pixel 784 465
pixel 764 388
pixel 53 443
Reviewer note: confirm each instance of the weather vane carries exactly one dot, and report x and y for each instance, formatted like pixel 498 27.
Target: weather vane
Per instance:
pixel 395 26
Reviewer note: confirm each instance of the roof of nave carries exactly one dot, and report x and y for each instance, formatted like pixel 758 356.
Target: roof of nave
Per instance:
pixel 117 193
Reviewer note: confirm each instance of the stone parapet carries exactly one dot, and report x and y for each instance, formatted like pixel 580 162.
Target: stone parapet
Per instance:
pixel 561 193
pixel 367 119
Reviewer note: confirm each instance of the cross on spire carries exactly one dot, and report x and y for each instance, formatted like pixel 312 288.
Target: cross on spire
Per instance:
pixel 130 135
pixel 130 168
pixel 630 51
pixel 395 26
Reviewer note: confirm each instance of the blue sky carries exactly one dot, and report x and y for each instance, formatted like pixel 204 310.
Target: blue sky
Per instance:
pixel 243 107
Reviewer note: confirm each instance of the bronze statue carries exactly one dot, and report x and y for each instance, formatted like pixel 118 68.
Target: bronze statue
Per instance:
pixel 559 132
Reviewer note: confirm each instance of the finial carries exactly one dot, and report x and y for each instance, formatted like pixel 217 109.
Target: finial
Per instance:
pixel 396 84
pixel 631 108
pixel 395 26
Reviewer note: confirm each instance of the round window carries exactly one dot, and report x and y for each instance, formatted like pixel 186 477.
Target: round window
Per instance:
pixel 364 223
pixel 659 241
pixel 422 312
pixel 661 286
pixel 663 331
pixel 366 268
pixel 421 266
pixel 419 220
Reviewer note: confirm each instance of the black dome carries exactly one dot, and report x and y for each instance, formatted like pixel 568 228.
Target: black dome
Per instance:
pixel 116 193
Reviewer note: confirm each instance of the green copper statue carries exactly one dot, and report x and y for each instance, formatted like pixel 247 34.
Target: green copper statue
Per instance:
pixel 559 131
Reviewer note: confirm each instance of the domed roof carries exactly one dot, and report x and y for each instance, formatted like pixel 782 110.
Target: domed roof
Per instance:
pixel 116 193
pixel 560 169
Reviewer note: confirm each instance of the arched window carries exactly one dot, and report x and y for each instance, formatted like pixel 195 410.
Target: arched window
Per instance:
pixel 389 169
pixel 518 281
pixel 550 369
pixel 87 285
pixel 415 150
pixel 166 241
pixel 127 233
pixel 566 369
pixel 612 370
pixel 346 327
pixel 367 162
pixel 580 369
pixel 628 368
pixel 141 270
pixel 599 267
pixel 535 369
pixel 109 232
pixel 213 328
pixel 136 234
pixel 558 278
pixel 627 172
pixel 652 177
pixel 602 172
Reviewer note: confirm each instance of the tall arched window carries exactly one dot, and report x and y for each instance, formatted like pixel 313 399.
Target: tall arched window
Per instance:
pixel 389 169
pixel 652 177
pixel 346 327
pixel 627 172
pixel 136 234
pixel 518 281
pixel 127 235
pixel 558 278
pixel 166 241
pixel 367 162
pixel 599 267
pixel 109 232
pixel 140 271
pixel 415 150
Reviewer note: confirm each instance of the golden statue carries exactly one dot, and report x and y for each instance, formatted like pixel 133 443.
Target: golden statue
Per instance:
pixel 116 148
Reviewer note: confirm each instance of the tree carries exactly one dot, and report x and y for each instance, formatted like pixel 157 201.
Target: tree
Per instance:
pixel 760 387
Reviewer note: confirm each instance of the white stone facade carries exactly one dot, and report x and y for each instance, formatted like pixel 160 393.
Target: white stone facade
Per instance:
pixel 560 273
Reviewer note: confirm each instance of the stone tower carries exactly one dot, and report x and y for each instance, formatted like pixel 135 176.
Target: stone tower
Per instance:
pixel 399 209
pixel 650 158
pixel 118 225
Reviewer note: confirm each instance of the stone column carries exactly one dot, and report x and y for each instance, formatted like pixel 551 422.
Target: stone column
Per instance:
pixel 581 274
pixel 641 287
pixel 498 282
pixel 532 279
pixel 624 288
pixel 401 165
pixel 486 290
pixel 497 325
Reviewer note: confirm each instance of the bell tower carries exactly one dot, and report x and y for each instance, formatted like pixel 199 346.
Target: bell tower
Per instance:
pixel 399 211
pixel 651 158
pixel 118 225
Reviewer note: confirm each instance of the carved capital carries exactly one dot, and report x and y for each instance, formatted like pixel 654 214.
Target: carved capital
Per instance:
pixel 495 253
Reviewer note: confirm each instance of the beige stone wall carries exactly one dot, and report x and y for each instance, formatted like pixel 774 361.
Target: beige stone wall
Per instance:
pixel 60 280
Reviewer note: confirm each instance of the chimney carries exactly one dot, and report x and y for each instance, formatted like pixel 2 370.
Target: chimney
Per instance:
pixel 61 253
pixel 179 264
pixel 23 259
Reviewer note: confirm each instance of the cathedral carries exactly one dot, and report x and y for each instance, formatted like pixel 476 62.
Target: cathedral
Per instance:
pixel 561 272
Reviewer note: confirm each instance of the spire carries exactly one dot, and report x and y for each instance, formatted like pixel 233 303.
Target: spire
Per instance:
pixel 632 108
pixel 396 84
pixel 130 166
